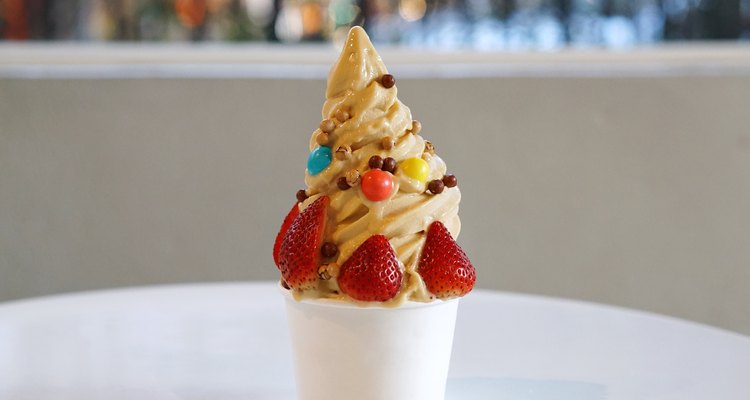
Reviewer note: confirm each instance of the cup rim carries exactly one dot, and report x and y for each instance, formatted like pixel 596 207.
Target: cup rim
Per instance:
pixel 335 303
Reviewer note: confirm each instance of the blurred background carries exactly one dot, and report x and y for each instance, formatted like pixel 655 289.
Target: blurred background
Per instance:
pixel 602 147
pixel 440 24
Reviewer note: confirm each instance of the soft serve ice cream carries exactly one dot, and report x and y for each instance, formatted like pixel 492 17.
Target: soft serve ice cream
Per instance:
pixel 379 216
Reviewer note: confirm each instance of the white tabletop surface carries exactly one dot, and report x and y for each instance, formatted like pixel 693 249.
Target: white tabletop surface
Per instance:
pixel 229 341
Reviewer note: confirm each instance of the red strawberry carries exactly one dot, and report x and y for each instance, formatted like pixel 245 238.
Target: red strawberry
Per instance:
pixel 444 267
pixel 372 273
pixel 299 256
pixel 293 213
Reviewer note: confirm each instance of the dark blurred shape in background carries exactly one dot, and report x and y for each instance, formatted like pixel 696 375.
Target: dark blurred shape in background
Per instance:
pixel 444 24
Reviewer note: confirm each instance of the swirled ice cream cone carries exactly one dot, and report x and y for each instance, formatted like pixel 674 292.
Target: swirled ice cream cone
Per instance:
pixel 378 218
pixel 369 265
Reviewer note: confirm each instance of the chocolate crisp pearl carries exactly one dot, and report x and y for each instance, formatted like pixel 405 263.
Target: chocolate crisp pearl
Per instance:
pixel 323 272
pixel 436 186
pixel 327 126
pixel 450 181
pixel 375 162
pixel 389 165
pixel 342 183
pixel 352 177
pixel 387 143
pixel 343 152
pixel 301 195
pixel 416 127
pixel 322 138
pixel 387 81
pixel 429 147
pixel 342 115
pixel 329 250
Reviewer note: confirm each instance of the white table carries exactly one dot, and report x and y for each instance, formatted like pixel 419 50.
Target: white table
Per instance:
pixel 229 341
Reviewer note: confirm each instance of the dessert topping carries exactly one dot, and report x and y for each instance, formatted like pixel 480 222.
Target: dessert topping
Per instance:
pixel 387 81
pixel 389 165
pixel 429 147
pixel 329 250
pixel 327 125
pixel 324 272
pixel 301 195
pixel 436 186
pixel 416 168
pixel 299 255
pixel 372 273
pixel 443 265
pixel 321 138
pixel 377 185
pixel 342 183
pixel 352 177
pixel 319 159
pixel 387 143
pixel 293 213
pixel 416 127
pixel 343 152
pixel 342 115
pixel 375 162
pixel 450 181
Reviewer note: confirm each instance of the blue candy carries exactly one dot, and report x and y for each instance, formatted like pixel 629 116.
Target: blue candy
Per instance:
pixel 319 159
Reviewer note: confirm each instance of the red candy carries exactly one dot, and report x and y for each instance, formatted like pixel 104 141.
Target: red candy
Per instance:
pixel 377 185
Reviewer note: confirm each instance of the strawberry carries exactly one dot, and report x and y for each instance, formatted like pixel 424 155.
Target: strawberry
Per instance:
pixel 444 267
pixel 372 273
pixel 299 255
pixel 293 213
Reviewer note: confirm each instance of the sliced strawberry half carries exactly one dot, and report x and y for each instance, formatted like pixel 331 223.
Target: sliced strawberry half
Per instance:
pixel 293 213
pixel 444 267
pixel 299 255
pixel 372 273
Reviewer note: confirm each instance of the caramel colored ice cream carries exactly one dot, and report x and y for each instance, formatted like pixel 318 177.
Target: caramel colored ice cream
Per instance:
pixel 366 127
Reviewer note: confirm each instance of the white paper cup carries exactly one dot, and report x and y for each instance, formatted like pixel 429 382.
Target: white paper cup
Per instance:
pixel 346 352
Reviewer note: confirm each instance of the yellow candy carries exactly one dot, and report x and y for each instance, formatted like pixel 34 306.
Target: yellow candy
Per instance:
pixel 416 168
